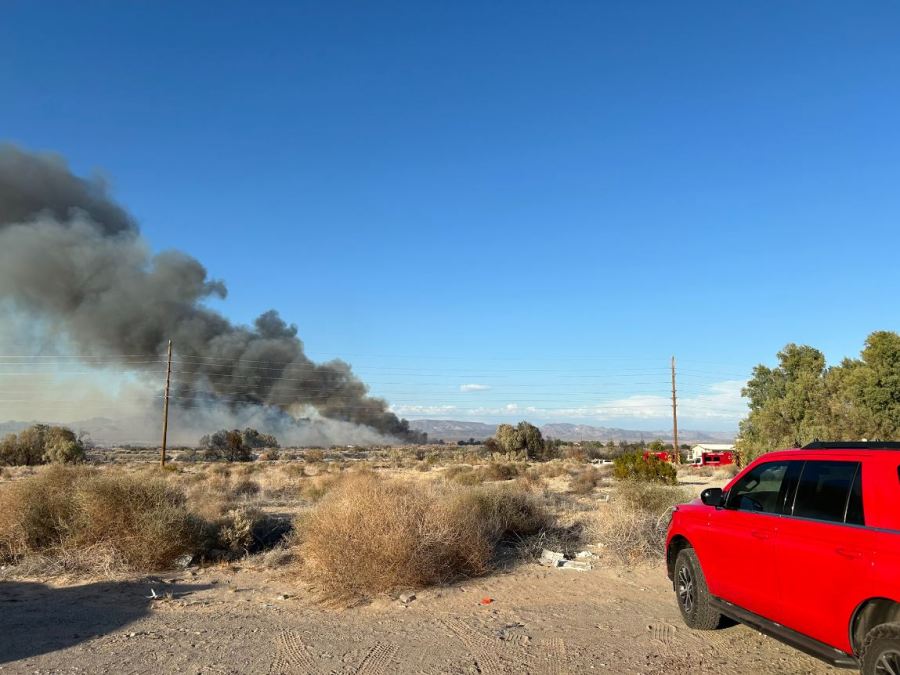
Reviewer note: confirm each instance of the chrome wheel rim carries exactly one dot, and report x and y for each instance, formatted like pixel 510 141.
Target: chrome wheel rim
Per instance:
pixel 888 663
pixel 686 590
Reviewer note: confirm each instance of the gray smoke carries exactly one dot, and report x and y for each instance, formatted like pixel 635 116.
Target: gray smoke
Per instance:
pixel 75 258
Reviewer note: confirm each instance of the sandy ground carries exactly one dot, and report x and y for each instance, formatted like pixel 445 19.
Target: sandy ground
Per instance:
pixel 242 620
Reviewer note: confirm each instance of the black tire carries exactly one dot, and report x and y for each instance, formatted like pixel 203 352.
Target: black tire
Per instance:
pixel 692 594
pixel 881 650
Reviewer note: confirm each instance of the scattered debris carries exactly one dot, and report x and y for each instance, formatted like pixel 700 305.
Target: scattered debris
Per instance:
pixel 153 595
pixel 551 558
pixel 560 560
pixel 578 565
pixel 407 597
pixel 486 601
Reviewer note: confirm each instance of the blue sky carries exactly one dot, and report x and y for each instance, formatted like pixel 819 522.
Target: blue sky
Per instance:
pixel 544 199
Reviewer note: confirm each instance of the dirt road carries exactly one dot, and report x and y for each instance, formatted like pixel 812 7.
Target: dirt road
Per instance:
pixel 230 620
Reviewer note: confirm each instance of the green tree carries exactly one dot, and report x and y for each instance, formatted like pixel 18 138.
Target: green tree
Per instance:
pixel 227 445
pixel 508 437
pixel 524 437
pixel 41 444
pixel 788 403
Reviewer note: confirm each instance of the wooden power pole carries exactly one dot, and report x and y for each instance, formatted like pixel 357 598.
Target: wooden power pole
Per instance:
pixel 162 454
pixel 677 457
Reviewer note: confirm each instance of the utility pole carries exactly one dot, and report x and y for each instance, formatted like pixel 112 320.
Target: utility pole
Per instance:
pixel 162 454
pixel 677 457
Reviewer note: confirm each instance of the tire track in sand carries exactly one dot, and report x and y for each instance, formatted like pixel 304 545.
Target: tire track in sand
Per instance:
pixel 378 660
pixel 555 657
pixel 492 657
pixel 291 657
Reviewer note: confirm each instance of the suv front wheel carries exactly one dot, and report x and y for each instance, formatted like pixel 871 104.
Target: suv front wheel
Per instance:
pixel 881 650
pixel 692 593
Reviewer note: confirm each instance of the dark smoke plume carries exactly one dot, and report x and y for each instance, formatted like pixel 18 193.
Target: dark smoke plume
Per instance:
pixel 70 254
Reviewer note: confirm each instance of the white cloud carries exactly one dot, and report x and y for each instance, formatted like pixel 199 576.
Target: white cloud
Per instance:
pixel 422 410
pixel 721 402
pixel 474 387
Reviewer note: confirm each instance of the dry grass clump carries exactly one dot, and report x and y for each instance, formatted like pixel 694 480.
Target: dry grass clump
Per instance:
pixel 243 531
pixel 313 489
pixel 551 469
pixel 244 488
pixel 454 470
pixel 463 474
pixel 293 470
pixel 575 455
pixel 142 523
pixel 584 481
pixel 500 471
pixel 314 456
pixel 373 535
pixel 633 525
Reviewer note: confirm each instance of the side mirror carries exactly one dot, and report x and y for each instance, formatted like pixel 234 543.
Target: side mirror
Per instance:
pixel 712 497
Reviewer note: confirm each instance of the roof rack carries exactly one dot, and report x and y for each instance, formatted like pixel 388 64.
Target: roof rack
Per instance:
pixel 852 445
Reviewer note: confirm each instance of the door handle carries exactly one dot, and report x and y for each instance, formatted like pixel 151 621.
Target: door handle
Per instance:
pixel 762 534
pixel 849 553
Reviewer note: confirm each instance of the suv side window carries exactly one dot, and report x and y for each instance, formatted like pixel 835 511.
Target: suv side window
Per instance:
pixel 828 491
pixel 759 490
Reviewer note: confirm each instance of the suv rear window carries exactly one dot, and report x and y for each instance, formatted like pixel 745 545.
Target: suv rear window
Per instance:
pixel 830 491
pixel 760 489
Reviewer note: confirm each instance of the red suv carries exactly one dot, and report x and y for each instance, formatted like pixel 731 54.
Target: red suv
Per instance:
pixel 803 545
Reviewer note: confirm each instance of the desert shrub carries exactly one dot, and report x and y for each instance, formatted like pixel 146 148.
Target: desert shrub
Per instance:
pixel 454 470
pixel 269 456
pixel 246 530
pixel 635 466
pixel 226 445
pixel 551 469
pixel 574 454
pixel 244 488
pixel 254 440
pixel 496 471
pixel 146 523
pixel 583 482
pixel 314 456
pixel 313 489
pixel 41 444
pixel 373 535
pixel 37 513
pixel 294 469
pixel 141 522
pixel 633 525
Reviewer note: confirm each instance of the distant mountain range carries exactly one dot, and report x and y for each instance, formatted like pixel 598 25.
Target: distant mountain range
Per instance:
pixel 455 430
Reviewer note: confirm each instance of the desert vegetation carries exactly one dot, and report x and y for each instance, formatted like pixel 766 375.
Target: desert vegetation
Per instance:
pixel 371 535
pixel 349 523
pixel 633 527
pixel 41 444
pixel 636 467
pixel 802 399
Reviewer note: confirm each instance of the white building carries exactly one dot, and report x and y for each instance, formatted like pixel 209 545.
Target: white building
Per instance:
pixel 698 450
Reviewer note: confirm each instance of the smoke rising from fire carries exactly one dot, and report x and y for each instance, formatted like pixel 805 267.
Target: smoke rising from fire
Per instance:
pixel 73 257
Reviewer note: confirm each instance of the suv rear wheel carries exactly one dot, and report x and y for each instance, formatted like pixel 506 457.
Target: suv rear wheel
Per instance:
pixel 693 595
pixel 881 650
